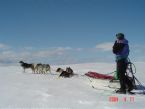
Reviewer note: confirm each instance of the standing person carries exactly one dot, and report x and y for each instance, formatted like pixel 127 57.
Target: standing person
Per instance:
pixel 121 50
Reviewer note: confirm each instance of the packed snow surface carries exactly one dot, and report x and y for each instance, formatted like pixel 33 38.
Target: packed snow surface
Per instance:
pixel 47 91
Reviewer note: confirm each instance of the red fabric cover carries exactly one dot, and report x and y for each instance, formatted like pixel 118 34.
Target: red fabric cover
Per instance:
pixel 99 76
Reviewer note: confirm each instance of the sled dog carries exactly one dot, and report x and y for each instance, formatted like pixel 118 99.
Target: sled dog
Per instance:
pixel 27 66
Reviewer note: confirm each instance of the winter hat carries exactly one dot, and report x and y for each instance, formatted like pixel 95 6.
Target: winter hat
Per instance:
pixel 120 36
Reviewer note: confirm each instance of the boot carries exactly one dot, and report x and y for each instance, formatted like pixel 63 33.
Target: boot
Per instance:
pixel 121 91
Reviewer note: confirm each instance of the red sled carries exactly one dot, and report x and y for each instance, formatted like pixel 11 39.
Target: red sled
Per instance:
pixel 99 76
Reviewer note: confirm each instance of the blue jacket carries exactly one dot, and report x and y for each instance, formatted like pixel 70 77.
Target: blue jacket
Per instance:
pixel 121 49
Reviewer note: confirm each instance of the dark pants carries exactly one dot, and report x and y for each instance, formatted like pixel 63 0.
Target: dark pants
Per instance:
pixel 124 80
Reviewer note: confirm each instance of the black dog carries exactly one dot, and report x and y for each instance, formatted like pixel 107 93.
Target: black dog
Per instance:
pixel 26 66
pixel 64 73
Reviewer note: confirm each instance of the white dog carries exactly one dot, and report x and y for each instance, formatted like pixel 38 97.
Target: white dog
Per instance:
pixel 42 68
